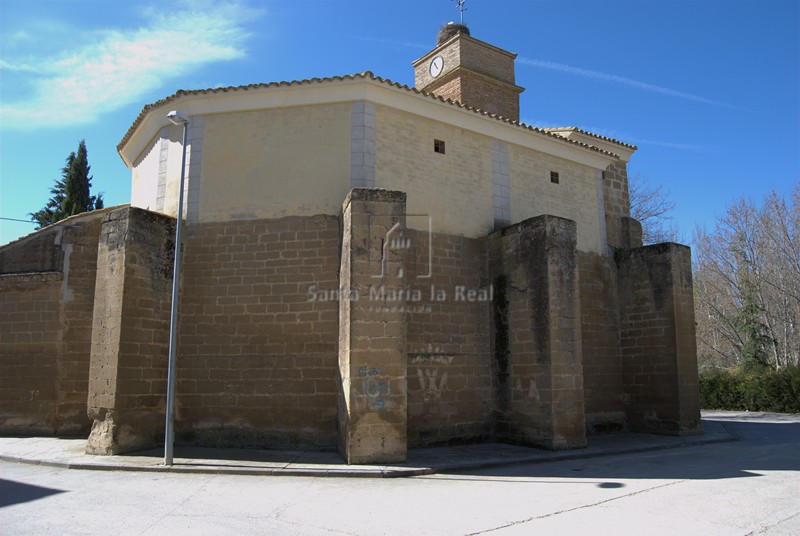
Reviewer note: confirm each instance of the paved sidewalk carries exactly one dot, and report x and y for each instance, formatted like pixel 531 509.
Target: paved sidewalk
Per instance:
pixel 69 453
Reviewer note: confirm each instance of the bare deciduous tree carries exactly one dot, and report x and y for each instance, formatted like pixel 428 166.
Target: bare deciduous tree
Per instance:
pixel 747 285
pixel 651 206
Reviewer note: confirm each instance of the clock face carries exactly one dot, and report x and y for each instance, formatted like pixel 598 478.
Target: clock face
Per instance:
pixel 437 64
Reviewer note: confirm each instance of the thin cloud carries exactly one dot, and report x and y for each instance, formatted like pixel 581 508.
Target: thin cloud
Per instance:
pixel 691 147
pixel 541 123
pixel 578 71
pixel 34 31
pixel 120 66
pixel 636 140
pixel 19 67
pixel 627 137
pixel 394 42
pixel 639 141
pixel 622 80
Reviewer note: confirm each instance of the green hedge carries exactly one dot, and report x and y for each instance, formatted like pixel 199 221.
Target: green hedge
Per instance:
pixel 777 391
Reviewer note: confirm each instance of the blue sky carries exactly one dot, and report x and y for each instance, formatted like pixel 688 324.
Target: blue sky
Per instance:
pixel 708 89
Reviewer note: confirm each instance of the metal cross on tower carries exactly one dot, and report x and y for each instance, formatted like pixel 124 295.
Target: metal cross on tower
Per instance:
pixel 461 8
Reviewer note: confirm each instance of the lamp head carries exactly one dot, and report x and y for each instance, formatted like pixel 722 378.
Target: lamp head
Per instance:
pixel 177 118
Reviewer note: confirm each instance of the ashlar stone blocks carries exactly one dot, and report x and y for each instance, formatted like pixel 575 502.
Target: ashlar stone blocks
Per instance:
pixel 658 339
pixel 373 420
pixel 537 334
pixel 130 331
pixel 46 297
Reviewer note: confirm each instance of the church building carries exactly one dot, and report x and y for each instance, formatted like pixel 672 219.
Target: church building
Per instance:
pixel 367 267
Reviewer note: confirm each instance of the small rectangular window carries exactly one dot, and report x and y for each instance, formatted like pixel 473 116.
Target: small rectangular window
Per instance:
pixel 438 146
pixel 554 177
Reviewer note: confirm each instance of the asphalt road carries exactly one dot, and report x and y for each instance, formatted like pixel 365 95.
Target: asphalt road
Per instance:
pixel 750 486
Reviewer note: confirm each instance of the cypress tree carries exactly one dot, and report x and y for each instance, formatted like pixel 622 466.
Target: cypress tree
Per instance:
pixel 72 193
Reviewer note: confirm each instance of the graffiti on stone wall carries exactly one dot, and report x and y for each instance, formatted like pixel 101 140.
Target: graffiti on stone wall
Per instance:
pixel 531 390
pixel 431 382
pixel 377 391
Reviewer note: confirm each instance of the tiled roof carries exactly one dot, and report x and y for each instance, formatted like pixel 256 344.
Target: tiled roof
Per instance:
pixel 599 137
pixel 367 75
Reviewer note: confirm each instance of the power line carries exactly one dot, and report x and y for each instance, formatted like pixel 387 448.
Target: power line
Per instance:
pixel 14 219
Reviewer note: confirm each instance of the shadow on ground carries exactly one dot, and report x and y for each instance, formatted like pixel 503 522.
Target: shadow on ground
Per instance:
pixel 761 447
pixel 12 492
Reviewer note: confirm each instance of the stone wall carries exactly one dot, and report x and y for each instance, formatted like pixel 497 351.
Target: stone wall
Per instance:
pixel 406 161
pixel 450 388
pixel 46 296
pixel 36 253
pixel 617 202
pixel 462 199
pixel 659 357
pixel 574 197
pixel 257 359
pixel 130 331
pixel 354 332
pixel 273 162
pixel 30 325
pixel 602 363
pixel 373 412
pixel 537 334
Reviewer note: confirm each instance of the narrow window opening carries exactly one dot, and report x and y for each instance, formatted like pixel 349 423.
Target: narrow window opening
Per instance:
pixel 554 177
pixel 438 146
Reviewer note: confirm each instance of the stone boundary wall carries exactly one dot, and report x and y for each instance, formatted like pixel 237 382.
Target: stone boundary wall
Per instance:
pixel 46 297
pixel 30 326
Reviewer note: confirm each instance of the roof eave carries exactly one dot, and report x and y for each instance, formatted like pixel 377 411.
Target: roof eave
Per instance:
pixel 153 116
pixel 624 150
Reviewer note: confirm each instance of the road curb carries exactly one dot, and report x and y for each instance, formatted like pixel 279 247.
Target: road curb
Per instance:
pixel 379 472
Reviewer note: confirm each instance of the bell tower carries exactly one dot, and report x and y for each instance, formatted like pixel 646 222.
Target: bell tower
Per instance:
pixel 467 70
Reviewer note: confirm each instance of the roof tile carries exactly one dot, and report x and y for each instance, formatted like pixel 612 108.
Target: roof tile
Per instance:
pixel 593 135
pixel 368 75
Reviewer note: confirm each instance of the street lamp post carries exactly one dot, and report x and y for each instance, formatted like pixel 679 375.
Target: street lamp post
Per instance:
pixel 177 118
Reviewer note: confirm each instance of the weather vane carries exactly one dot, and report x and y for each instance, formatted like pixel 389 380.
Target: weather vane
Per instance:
pixel 461 8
